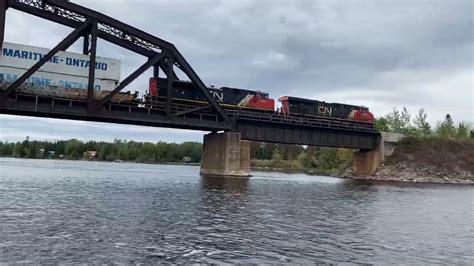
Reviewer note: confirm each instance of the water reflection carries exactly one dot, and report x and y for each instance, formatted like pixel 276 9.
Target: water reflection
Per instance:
pixel 357 184
pixel 226 184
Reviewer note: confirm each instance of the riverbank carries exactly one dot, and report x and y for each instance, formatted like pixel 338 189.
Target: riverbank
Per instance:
pixel 427 160
pixel 107 161
pixel 333 169
pixel 415 159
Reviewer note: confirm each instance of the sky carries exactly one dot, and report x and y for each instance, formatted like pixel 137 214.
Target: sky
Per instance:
pixel 380 54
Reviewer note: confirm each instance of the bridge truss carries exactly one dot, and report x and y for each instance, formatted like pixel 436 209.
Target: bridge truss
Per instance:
pixel 91 25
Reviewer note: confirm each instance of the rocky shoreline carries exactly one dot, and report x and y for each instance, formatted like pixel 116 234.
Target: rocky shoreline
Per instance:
pixel 394 174
pixel 398 173
pixel 427 160
pixel 421 174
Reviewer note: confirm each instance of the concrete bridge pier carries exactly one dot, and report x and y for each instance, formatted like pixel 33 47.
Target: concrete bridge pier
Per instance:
pixel 225 154
pixel 366 162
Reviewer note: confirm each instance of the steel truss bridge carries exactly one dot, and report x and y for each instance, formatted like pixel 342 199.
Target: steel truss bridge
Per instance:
pixel 90 25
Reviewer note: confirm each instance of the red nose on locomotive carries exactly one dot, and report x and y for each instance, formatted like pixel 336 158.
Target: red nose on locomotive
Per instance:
pixel 362 115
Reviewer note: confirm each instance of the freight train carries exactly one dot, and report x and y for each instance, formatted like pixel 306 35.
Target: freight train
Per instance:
pixel 229 98
pixel 185 91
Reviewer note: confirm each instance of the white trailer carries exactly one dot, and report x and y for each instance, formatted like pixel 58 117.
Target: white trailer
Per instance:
pixel 73 64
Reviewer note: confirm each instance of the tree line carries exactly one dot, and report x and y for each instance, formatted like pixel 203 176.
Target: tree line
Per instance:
pixel 263 154
pixel 74 149
pixel 298 157
pixel 401 121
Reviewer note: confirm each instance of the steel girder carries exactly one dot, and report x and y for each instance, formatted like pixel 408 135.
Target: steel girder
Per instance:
pixel 118 33
pixel 3 9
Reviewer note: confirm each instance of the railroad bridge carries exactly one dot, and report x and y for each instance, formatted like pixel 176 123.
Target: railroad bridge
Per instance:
pixel 226 149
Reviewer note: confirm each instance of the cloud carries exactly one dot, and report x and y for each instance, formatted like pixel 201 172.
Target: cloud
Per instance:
pixel 377 53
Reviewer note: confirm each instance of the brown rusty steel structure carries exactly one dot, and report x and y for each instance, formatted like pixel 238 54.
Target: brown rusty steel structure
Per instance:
pixel 209 116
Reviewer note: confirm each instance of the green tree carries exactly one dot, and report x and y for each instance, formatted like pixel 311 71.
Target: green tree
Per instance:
pixel 405 119
pixel 394 120
pixel 382 124
pixel 86 155
pixel 24 148
pixel 74 155
pixel 277 155
pixel 446 129
pixel 6 149
pixel 191 149
pixel 312 154
pixel 262 150
pixel 462 131
pixel 73 146
pixel 329 159
pixel 421 123
pixel 32 149
pixel 304 160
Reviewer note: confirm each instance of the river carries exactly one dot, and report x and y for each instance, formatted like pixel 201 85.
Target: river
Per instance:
pixel 95 212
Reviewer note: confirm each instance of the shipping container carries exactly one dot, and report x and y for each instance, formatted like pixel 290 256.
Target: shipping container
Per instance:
pixel 25 56
pixel 40 78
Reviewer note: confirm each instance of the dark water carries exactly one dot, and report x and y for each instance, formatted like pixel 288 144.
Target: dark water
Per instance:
pixel 89 212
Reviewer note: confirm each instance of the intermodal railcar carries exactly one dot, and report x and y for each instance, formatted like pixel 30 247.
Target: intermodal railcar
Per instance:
pixel 55 91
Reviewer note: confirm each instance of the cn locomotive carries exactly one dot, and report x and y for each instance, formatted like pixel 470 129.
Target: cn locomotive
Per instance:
pixel 294 105
pixel 184 91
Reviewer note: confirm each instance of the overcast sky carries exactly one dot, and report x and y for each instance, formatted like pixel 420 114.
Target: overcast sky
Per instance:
pixel 381 54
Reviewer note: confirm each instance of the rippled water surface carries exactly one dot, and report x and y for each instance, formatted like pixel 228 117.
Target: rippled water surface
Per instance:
pixel 79 212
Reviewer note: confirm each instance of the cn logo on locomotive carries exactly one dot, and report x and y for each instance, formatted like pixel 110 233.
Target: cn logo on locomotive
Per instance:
pixel 324 110
pixel 219 96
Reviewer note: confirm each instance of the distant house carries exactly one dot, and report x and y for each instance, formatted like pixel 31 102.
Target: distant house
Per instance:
pixel 90 155
pixel 187 159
